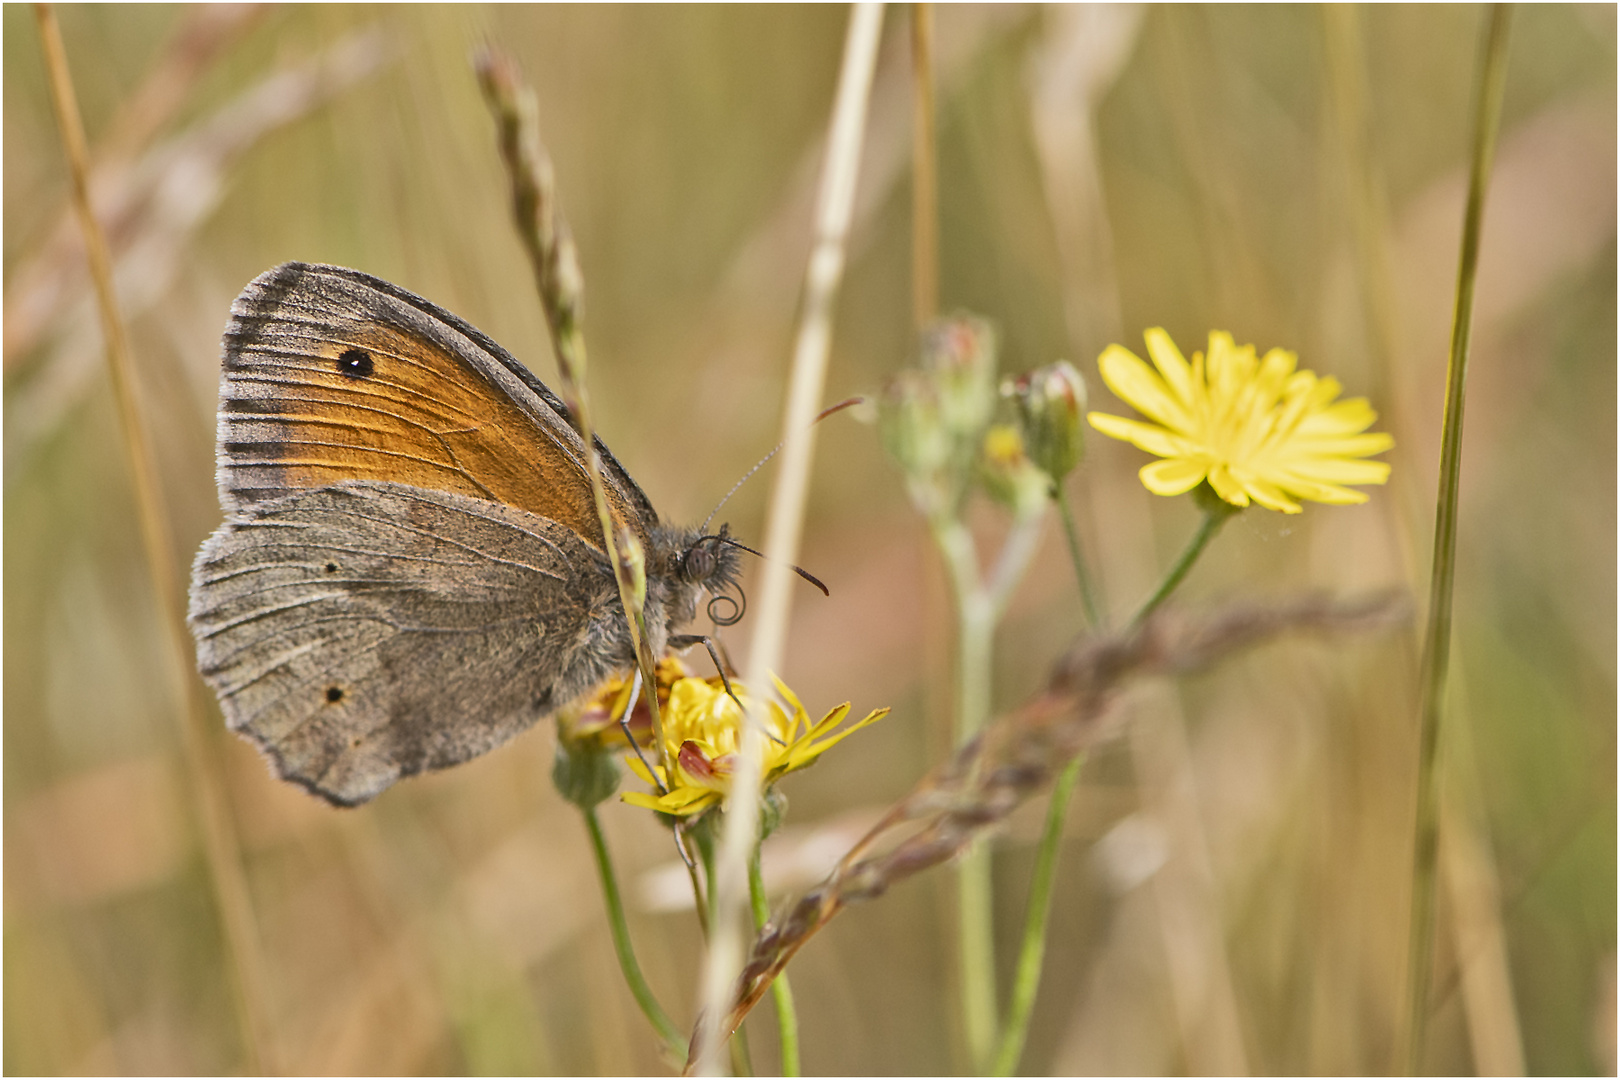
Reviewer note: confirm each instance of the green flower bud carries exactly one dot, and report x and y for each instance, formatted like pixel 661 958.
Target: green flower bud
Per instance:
pixel 960 354
pixel 1009 476
pixel 584 772
pixel 1050 402
pixel 772 809
pixel 911 425
pixel 915 434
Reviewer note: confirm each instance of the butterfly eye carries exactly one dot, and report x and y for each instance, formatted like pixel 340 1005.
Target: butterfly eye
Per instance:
pixel 699 562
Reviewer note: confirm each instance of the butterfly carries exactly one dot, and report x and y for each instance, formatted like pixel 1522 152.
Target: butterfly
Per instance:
pixel 411 570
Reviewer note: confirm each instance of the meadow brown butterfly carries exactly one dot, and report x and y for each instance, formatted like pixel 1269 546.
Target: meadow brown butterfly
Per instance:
pixel 411 568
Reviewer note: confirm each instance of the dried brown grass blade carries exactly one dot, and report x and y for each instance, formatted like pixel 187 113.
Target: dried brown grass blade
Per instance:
pixel 221 844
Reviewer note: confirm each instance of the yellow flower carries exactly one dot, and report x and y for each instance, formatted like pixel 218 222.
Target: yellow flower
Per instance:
pixel 702 735
pixel 595 721
pixel 1255 429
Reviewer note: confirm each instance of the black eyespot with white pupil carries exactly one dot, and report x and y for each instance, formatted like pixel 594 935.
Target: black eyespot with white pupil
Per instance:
pixel 355 363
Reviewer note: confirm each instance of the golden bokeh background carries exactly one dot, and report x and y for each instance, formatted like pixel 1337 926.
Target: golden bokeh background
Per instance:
pixel 1233 887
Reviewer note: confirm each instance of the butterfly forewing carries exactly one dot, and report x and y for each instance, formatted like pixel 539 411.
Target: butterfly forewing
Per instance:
pixel 332 375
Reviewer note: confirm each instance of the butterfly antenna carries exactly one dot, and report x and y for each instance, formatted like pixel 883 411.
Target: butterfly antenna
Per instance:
pixel 828 411
pixel 801 571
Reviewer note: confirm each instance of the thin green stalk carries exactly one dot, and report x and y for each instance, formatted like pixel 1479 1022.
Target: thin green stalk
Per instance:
pixel 1216 511
pixel 742 1063
pixel 787 1016
pixel 1032 953
pixel 1437 634
pixel 700 901
pixel 1017 550
pixel 976 944
pixel 672 1037
pixel 1088 591
pixel 975 899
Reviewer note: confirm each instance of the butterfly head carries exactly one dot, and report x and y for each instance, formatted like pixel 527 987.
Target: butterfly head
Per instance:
pixel 697 562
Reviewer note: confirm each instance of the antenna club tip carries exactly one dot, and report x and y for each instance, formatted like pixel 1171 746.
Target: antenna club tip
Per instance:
pixel 812 579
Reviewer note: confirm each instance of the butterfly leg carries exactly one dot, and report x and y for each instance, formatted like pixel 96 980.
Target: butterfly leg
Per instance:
pixel 624 726
pixel 685 641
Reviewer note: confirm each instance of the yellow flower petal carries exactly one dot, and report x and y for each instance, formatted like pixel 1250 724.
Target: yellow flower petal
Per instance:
pixel 830 721
pixel 1168 359
pixel 1153 439
pixel 1228 486
pixel 1271 496
pixel 1342 471
pixel 1342 418
pixel 810 752
pixel 1173 476
pixel 1136 384
pixel 1375 442
pixel 634 761
pixel 1316 491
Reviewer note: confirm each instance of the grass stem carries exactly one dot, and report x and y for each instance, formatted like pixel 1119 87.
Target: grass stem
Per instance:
pixel 546 240
pixel 221 845
pixel 807 375
pixel 1032 953
pixel 924 172
pixel 1437 631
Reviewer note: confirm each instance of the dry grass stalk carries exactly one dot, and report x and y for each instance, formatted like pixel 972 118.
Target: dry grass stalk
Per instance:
pixel 835 204
pixel 1019 756
pixel 221 845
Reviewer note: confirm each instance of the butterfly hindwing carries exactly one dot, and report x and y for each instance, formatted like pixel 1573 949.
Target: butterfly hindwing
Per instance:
pixel 367 631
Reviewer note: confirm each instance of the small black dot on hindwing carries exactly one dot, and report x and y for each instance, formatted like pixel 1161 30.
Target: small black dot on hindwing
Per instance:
pixel 331 568
pixel 334 694
pixel 355 363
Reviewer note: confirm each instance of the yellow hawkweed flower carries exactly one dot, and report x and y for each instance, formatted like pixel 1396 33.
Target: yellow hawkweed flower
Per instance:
pixel 1255 429
pixel 702 734
pixel 596 720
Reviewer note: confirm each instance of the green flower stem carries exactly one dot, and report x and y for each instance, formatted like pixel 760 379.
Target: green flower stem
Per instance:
pixel 700 901
pixel 787 1017
pixel 674 1040
pixel 1216 511
pixel 1016 552
pixel 1032 953
pixel 975 907
pixel 1088 592
pixel 1437 634
pixel 741 1061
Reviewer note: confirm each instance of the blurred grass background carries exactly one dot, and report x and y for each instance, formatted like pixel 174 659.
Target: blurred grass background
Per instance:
pixel 1233 890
